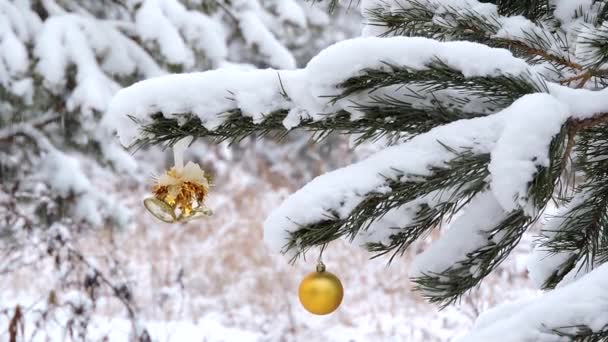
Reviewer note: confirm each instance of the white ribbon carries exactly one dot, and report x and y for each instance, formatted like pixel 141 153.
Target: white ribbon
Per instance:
pixel 178 153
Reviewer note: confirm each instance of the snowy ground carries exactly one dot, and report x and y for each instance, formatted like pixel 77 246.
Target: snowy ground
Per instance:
pixel 215 280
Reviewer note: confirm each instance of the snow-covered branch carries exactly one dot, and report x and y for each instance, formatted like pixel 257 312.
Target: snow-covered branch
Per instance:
pixel 508 153
pixel 330 85
pixel 527 29
pixel 570 311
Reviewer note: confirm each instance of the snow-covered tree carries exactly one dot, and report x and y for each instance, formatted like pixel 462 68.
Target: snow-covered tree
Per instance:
pixel 496 109
pixel 61 61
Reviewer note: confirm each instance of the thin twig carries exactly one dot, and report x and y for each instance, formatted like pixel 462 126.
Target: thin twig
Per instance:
pixel 575 127
pixel 228 11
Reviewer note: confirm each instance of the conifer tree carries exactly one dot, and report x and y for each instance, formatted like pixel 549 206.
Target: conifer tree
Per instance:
pixel 62 174
pixel 496 110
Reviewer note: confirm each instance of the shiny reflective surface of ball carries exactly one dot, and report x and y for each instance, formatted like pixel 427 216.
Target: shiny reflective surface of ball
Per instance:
pixel 321 293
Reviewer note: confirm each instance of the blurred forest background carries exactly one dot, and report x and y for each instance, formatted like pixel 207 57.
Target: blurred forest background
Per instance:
pixel 81 259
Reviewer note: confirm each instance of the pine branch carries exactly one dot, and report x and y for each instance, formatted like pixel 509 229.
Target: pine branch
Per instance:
pixel 546 44
pixel 534 10
pixel 447 287
pixel 581 234
pixel 499 90
pixel 558 274
pixel 594 47
pixel 602 14
pixel 415 18
pixel 465 175
pixel 583 230
pixel 411 117
pixel 31 130
pixel 6 97
pixel 547 180
pixel 415 111
pixel 582 333
pixel 168 131
pixel 333 4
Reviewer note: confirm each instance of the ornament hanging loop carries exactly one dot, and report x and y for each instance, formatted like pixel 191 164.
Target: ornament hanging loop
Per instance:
pixel 178 153
pixel 320 264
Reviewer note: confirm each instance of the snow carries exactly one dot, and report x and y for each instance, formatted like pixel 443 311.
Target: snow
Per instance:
pixel 565 307
pixel 84 180
pixel 344 60
pixel 380 230
pixel 396 220
pixel 16 31
pixel 256 34
pixel 207 95
pixel 465 235
pixel 208 328
pixel 516 28
pixel 567 10
pixel 290 11
pixel 496 313
pixel 66 177
pixel 523 147
pixel 218 302
pixel 316 16
pixel 511 167
pixel 580 269
pixel 343 189
pixel 118 157
pixel 164 22
pixel 15 59
pixel 68 40
pixel 542 263
pixel 65 183
pixel 515 158
pixel 582 103
pixel 102 53
pixel 152 24
pixel 211 93
pixel 585 52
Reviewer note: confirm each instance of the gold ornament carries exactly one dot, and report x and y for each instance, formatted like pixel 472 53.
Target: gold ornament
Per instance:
pixel 321 292
pixel 179 194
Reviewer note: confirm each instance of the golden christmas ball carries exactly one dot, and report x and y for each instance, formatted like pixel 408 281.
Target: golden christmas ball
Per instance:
pixel 321 292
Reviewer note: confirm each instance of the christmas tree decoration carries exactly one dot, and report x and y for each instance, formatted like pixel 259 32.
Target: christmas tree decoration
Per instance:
pixel 321 292
pixel 179 194
pixel 488 110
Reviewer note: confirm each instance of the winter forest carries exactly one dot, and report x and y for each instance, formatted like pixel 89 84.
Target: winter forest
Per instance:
pixel 303 170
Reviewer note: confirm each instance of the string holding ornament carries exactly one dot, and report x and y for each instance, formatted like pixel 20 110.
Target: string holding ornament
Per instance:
pixel 179 194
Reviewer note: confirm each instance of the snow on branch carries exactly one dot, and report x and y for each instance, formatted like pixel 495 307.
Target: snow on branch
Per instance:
pixel 64 174
pixel 66 177
pixel 17 30
pixel 75 41
pixel 526 28
pixel 343 201
pixel 314 93
pixel 572 312
pixel 335 195
pixel 573 238
pixel 548 265
pixel 505 154
pixel 256 34
pixel 163 21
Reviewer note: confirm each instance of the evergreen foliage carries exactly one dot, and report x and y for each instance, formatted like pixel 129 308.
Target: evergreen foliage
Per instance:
pixel 564 49
pixel 62 175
